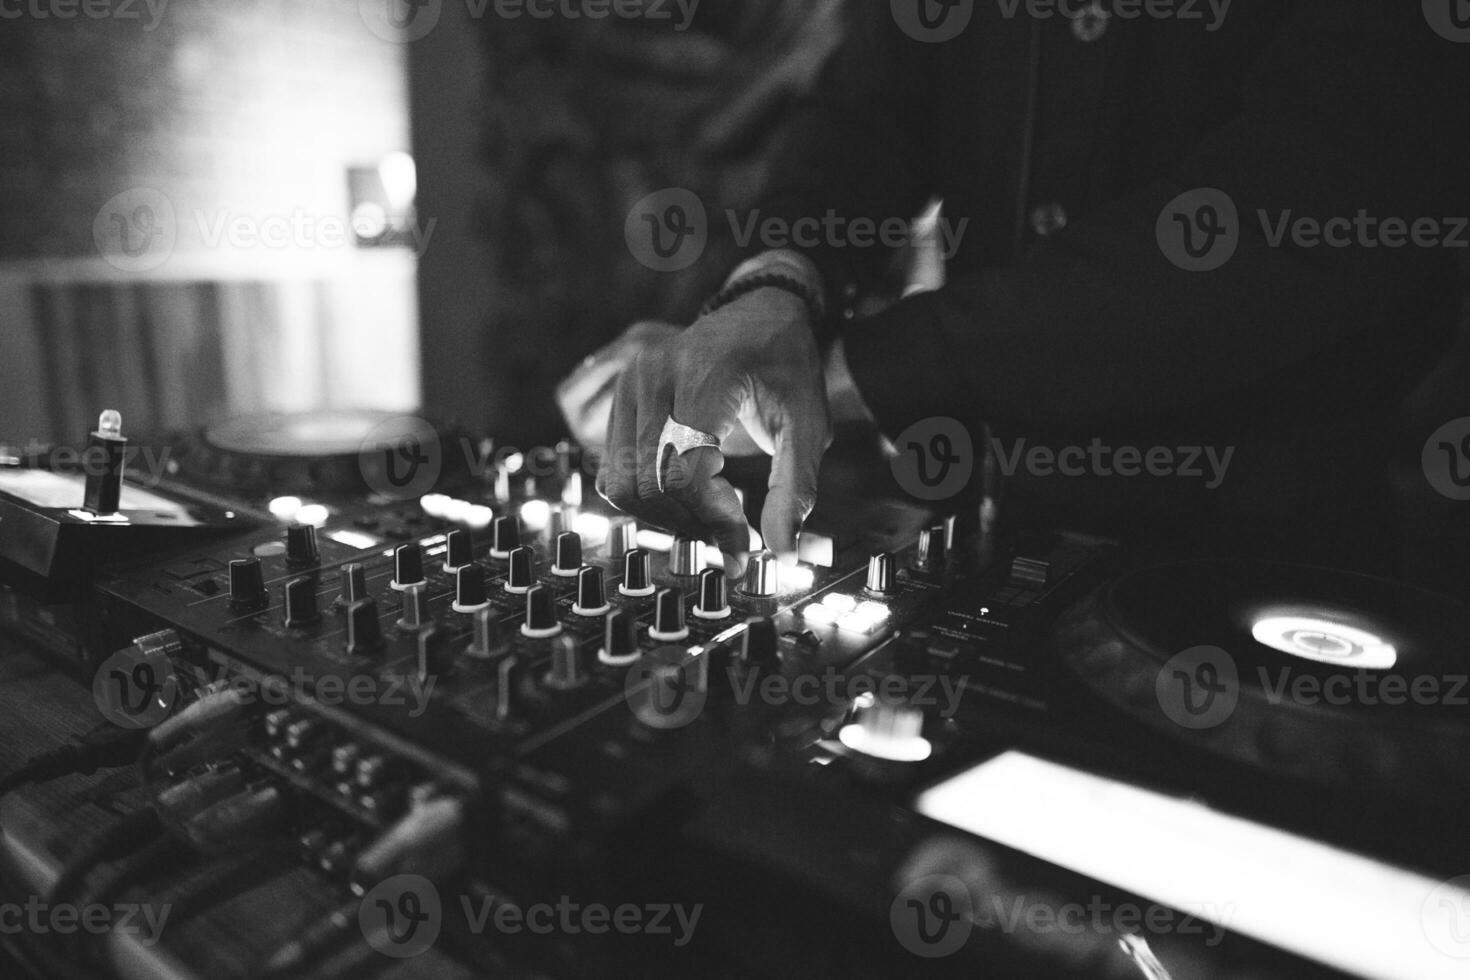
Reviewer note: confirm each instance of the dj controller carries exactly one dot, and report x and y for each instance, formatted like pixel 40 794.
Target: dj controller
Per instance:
pixel 491 691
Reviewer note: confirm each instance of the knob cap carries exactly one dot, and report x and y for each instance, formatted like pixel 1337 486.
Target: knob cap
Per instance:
pixel 435 654
pixel 300 602
pixel 882 573
pixel 541 622
pixel 567 671
pixel 354 584
pixel 301 546
pixel 637 574
pixel 506 537
pixel 568 555
pixel 619 639
pixel 591 593
pixel 460 550
pixel 488 641
pixel 415 609
pixel 668 618
pixel 758 644
pixel 761 576
pixel 622 536
pixel 408 566
pixel 364 631
pixel 247 584
pixel 684 558
pixel 713 603
pixel 522 573
pixel 931 552
pixel 887 731
pixel 469 590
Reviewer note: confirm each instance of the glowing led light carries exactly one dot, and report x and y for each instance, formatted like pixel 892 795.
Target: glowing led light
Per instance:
pixel 314 514
pixel 819 615
pixel 435 505
pixel 355 539
pixel 874 612
pixel 1324 641
pixel 839 602
pixel 285 508
pixel 913 748
pixel 854 623
pixel 479 517
pixel 535 515
pixel 514 463
pixel 571 494
pixel 655 541
pixel 593 528
pixel 400 179
pixel 797 578
pixel 458 511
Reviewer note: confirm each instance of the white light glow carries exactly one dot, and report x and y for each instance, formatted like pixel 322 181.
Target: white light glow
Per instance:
pixel 314 514
pixel 818 614
pixel 1325 641
pixel 655 541
pixel 797 578
pixel 913 748
pixel 514 463
pixel 355 539
pixel 535 515
pixel 839 601
pixel 1348 911
pixel 593 528
pixel 479 517
pixel 400 179
pixel 571 494
pixel 435 505
pixel 458 511
pixel 285 508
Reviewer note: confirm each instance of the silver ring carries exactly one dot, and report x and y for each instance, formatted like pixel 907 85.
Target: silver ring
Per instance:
pixel 681 439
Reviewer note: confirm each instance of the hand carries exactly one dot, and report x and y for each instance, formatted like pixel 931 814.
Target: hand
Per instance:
pixel 754 362
pixel 585 396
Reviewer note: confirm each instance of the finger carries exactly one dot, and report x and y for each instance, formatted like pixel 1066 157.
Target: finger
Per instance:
pixel 618 476
pixel 801 440
pixel 714 504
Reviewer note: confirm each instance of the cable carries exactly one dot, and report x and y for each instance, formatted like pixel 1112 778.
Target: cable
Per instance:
pixel 104 747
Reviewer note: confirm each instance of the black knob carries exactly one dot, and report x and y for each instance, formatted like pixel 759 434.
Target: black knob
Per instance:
pixel 541 622
pixel 684 557
pixel 567 671
pixel 469 590
pixel 713 601
pixel 459 550
pixel 364 631
pixel 247 584
pixel 622 536
pixel 668 618
pixel 568 555
pixel 591 592
pixel 761 576
pixel 882 573
pixel 408 566
pixel 415 609
pixel 931 551
pixel 488 641
pixel 637 574
pixel 522 572
pixel 435 654
pixel 301 547
pixel 300 602
pixel 354 584
pixel 619 639
pixel 759 645
pixel 506 537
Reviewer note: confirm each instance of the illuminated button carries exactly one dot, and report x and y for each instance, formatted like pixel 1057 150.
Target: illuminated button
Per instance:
pixel 285 508
pixel 536 515
pixel 839 602
pixel 887 731
pixel 314 514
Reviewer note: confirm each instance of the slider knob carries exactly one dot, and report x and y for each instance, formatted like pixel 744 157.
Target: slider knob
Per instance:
pixel 620 639
pixel 364 630
pixel 567 671
pixel 469 590
pixel 882 573
pixel 300 602
pixel 522 572
pixel 541 622
pixel 460 550
pixel 435 654
pixel 354 584
pixel 506 537
pixel 301 546
pixel 408 566
pixel 684 558
pixel 487 641
pixel 568 555
pixel 668 618
pixel 247 584
pixel 415 609
pixel 591 593
pixel 761 576
pixel 637 574
pixel 931 552
pixel 713 602
pixel 759 645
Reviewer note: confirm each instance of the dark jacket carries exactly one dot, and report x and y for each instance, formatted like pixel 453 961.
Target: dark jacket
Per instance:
pixel 1064 321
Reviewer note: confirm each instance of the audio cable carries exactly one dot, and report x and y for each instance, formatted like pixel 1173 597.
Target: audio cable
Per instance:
pixel 105 746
